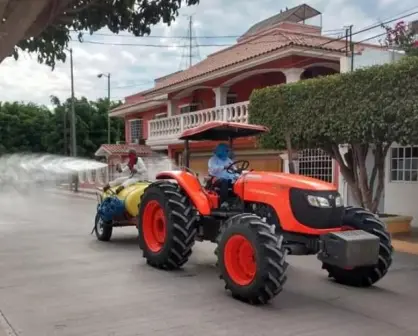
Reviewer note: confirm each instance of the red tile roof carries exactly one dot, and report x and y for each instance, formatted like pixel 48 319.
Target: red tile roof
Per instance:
pixel 249 49
pixel 124 149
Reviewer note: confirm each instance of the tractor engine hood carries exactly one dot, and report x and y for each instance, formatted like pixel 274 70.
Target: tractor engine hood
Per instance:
pixel 286 180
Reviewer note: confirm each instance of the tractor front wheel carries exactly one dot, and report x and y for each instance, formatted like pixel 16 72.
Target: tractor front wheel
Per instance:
pixel 361 219
pixel 166 226
pixel 251 259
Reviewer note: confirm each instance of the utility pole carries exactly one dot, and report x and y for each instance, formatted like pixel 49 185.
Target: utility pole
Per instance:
pixel 347 34
pixel 108 109
pixel 73 117
pixel 65 131
pixel 351 47
pixel 108 101
pixel 73 122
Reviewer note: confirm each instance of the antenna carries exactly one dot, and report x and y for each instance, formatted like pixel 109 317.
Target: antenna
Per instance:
pixel 190 40
pixel 191 45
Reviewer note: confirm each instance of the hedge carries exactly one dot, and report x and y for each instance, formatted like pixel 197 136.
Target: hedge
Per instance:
pixel 378 104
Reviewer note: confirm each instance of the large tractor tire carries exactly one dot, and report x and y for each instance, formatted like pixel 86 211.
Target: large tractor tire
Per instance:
pixel 361 219
pixel 103 230
pixel 166 226
pixel 251 259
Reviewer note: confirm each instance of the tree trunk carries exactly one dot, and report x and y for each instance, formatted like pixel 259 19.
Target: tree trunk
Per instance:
pixel 354 171
pixel 19 26
pixel 291 163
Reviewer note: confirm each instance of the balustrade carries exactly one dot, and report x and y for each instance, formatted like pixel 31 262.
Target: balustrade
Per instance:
pixel 169 128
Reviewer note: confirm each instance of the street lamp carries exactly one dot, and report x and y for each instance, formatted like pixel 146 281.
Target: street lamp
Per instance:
pixel 108 97
pixel 73 117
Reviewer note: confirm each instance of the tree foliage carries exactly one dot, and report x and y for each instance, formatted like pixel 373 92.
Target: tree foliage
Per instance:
pixel 45 29
pixel 32 128
pixel 368 109
pixel 401 37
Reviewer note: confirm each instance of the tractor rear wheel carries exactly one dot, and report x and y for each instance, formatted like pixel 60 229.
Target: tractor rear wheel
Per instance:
pixel 166 225
pixel 251 259
pixel 361 219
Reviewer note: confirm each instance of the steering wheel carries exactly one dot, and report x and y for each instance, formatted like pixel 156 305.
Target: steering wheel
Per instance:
pixel 243 165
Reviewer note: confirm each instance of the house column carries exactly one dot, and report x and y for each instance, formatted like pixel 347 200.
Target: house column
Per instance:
pixel 293 74
pixel 345 65
pixel 221 94
pixel 171 107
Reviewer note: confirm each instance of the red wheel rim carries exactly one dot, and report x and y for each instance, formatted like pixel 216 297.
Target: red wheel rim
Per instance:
pixel 239 260
pixel 154 226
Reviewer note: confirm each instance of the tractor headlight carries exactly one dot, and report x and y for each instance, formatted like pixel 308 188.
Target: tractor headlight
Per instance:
pixel 317 201
pixel 322 202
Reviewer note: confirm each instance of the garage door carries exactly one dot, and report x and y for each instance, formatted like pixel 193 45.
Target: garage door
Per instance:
pixel 266 162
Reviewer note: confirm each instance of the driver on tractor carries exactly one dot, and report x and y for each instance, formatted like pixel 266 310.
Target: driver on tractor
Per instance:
pixel 137 172
pixel 217 168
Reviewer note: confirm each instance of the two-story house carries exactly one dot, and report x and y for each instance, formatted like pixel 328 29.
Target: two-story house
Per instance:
pixel 278 50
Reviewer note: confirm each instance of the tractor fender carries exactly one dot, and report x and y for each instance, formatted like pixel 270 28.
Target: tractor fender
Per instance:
pixel 191 185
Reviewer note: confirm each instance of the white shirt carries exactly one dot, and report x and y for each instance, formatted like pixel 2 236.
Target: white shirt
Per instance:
pixel 140 167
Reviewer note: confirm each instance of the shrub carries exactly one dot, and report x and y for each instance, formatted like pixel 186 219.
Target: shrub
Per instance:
pixel 367 109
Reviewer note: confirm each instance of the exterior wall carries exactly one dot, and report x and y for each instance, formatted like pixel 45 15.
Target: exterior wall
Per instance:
pixel 373 56
pixel 244 88
pixel 146 116
pixel 401 197
pixel 204 146
pixel 205 98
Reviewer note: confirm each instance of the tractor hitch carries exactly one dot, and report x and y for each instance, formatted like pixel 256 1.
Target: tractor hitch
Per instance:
pixel 349 249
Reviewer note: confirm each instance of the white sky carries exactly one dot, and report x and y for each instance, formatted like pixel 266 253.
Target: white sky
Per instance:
pixel 133 68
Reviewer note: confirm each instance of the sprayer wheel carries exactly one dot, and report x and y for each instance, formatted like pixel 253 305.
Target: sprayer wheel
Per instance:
pixel 103 230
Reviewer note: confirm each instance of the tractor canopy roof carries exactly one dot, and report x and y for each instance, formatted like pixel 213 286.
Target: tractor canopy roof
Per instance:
pixel 222 130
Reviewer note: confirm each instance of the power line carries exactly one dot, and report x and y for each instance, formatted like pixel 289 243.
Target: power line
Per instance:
pixel 330 31
pixel 365 29
pixel 354 43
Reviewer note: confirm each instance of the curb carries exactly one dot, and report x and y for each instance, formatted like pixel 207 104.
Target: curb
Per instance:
pixel 405 246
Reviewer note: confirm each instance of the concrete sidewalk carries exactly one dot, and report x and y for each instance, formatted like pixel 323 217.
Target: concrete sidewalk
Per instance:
pixel 407 243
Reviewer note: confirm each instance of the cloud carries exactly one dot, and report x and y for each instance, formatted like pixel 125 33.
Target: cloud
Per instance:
pixel 133 68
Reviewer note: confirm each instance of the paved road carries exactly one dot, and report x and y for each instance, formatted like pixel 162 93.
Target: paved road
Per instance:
pixel 56 279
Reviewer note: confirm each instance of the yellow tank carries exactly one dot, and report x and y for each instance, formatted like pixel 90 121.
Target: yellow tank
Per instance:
pixel 131 195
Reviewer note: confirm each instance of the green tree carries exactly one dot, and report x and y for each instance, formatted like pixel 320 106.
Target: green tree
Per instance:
pixel 44 26
pixel 91 125
pixel 368 110
pixel 33 128
pixel 24 127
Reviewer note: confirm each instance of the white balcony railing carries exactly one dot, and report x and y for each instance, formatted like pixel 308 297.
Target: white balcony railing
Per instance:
pixel 167 130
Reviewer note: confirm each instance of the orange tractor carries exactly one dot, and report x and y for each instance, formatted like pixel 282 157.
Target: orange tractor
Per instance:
pixel 271 215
